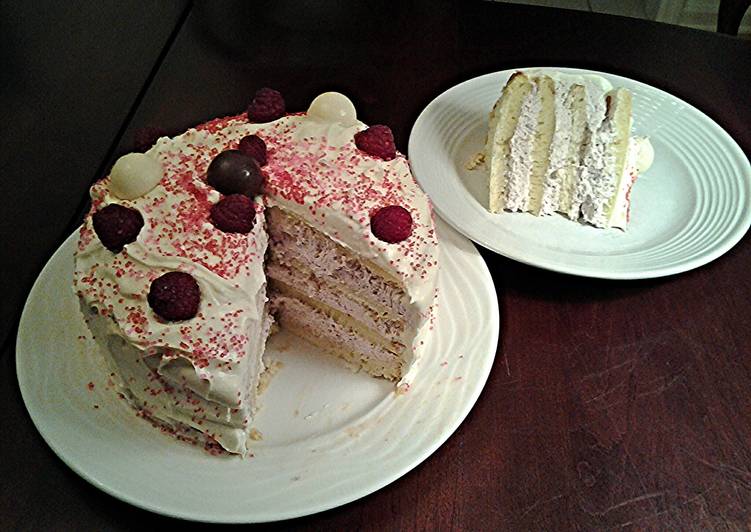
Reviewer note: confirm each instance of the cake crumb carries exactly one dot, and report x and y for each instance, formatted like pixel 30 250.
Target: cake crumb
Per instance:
pixel 268 374
pixel 476 160
pixel 403 389
pixel 255 435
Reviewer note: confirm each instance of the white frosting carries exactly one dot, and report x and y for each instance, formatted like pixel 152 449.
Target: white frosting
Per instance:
pixel 645 154
pixel 216 364
pixel 520 153
pixel 596 107
pixel 206 405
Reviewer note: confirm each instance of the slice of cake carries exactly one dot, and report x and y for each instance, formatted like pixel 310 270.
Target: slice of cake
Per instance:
pixel 192 249
pixel 561 143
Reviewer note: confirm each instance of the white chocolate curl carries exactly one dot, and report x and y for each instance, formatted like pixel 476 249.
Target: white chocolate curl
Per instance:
pixel 133 175
pixel 645 154
pixel 333 107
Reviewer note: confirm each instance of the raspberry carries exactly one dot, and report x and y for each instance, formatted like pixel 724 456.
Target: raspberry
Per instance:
pixel 174 296
pixel 116 225
pixel 377 141
pixel 267 105
pixel 391 224
pixel 234 214
pixel 145 137
pixel 254 146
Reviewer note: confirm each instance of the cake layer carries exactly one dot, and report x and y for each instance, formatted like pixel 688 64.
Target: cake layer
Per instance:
pixel 280 289
pixel 541 148
pixel 293 241
pixel 302 281
pixel 336 337
pixel 503 123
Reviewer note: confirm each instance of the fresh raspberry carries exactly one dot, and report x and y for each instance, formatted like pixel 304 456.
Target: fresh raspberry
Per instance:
pixel 116 225
pixel 174 296
pixel 267 105
pixel 145 137
pixel 377 141
pixel 254 146
pixel 235 213
pixel 391 224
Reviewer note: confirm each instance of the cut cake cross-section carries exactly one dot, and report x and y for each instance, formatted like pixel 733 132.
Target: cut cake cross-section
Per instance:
pixel 561 143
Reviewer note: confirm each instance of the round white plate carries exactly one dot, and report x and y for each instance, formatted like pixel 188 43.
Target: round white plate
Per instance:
pixel 330 436
pixel 689 208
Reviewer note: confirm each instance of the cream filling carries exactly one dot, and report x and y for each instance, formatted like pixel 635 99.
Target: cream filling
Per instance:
pixel 295 313
pixel 597 182
pixel 594 151
pixel 391 327
pixel 520 154
pixel 558 151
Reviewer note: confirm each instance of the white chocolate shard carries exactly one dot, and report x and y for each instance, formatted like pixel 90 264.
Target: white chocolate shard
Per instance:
pixel 333 107
pixel 133 175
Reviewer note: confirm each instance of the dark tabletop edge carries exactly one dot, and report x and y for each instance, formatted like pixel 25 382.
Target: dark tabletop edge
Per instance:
pixel 83 206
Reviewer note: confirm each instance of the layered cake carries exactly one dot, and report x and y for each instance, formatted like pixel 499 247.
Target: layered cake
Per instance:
pixel 194 248
pixel 562 143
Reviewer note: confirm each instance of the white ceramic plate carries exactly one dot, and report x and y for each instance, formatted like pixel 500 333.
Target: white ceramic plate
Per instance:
pixel 330 436
pixel 688 209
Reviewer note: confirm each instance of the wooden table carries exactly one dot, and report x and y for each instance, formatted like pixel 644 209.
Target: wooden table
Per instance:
pixel 611 404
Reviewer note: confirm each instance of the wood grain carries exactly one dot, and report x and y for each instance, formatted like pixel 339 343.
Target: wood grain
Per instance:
pixel 611 404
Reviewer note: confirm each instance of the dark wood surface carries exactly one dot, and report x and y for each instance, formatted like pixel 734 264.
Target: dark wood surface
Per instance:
pixel 611 404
